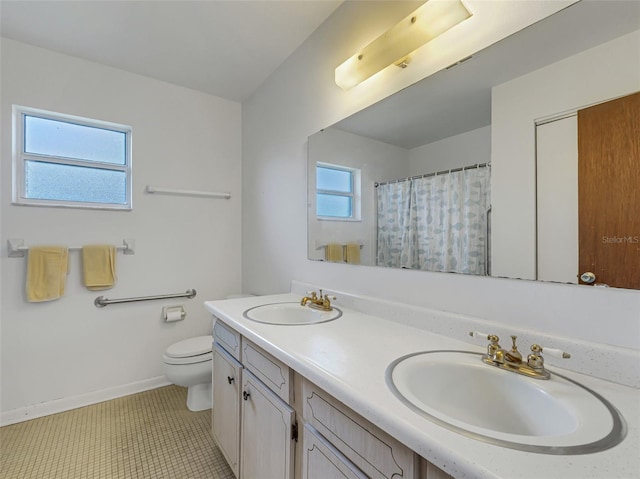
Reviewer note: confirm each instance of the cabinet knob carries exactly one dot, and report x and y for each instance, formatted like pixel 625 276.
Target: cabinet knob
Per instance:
pixel 230 379
pixel 245 395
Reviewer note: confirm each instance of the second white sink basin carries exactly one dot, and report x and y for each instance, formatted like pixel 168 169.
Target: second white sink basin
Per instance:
pixel 458 391
pixel 290 314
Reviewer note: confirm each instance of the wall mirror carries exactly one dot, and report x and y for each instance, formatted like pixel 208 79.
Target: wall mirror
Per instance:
pixel 435 178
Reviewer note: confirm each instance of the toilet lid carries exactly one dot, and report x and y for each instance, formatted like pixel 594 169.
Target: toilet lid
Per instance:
pixel 190 347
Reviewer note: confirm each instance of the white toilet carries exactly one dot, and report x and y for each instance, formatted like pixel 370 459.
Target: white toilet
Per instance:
pixel 189 363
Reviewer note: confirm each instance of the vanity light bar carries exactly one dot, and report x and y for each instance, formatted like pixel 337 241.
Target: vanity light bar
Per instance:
pixel 393 47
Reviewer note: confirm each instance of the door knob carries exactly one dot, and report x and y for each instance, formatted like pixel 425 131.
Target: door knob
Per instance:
pixel 230 379
pixel 245 395
pixel 588 277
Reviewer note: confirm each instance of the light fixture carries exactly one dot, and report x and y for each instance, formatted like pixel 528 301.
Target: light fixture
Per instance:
pixel 394 47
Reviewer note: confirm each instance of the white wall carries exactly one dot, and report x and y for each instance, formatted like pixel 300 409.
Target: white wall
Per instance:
pixel 377 161
pixel 557 200
pixel 181 139
pixel 464 149
pixel 602 73
pixel 298 100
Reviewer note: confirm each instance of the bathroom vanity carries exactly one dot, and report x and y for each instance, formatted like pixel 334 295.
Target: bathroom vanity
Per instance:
pixel 314 400
pixel 254 423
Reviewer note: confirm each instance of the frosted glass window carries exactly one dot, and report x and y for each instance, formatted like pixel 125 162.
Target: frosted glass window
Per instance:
pixel 335 188
pixel 70 161
pixel 333 205
pixel 334 179
pixel 68 140
pixel 51 181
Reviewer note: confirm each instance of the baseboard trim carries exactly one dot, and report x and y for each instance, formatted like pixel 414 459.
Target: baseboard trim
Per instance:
pixel 65 404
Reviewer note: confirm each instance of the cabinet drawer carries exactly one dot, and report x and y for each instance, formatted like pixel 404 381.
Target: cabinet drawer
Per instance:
pixel 227 338
pixel 321 460
pixel 372 450
pixel 271 371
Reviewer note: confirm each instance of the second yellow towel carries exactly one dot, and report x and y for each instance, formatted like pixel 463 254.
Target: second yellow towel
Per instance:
pixel 353 253
pixel 99 266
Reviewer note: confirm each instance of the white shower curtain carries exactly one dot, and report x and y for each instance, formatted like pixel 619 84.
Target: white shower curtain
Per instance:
pixel 436 223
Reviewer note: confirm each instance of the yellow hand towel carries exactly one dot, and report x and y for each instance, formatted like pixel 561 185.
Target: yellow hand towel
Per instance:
pixel 334 252
pixel 353 253
pixel 46 273
pixel 99 266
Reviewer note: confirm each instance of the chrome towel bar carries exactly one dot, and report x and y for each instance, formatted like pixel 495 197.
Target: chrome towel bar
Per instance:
pixel 101 301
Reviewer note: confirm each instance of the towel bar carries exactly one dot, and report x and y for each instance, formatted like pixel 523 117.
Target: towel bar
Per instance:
pixel 17 248
pixel 344 245
pixel 171 191
pixel 101 301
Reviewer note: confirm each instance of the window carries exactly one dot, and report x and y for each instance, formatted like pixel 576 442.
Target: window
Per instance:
pixel 61 160
pixel 337 189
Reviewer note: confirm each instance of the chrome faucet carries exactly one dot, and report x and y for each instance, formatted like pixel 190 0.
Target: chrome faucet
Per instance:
pixel 317 301
pixel 512 360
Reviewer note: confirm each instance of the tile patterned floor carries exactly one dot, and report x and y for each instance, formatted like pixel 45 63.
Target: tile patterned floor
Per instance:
pixel 150 435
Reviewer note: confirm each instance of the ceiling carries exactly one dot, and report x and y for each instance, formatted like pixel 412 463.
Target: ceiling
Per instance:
pixel 224 48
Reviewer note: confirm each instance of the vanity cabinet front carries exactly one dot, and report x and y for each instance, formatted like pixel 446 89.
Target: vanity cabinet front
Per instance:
pixel 321 460
pixel 371 450
pixel 255 426
pixel 227 381
pixel 253 422
pixel 267 442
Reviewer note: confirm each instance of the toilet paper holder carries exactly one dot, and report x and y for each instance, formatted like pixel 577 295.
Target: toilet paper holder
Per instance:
pixel 173 313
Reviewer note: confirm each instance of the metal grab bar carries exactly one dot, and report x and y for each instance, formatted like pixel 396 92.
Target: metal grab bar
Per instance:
pixel 101 301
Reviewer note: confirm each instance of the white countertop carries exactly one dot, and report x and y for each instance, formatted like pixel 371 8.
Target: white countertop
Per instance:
pixel 349 357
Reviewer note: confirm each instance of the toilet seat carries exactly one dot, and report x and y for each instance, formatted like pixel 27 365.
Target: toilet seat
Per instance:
pixel 189 351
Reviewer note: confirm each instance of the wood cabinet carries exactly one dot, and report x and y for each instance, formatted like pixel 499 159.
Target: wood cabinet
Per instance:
pixel 227 338
pixel 227 381
pixel 429 471
pixel 321 460
pixel 267 439
pixel 253 423
pixel 373 451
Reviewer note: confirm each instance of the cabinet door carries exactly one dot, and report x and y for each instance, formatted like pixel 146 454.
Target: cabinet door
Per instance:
pixel 321 460
pixel 226 405
pixel 266 439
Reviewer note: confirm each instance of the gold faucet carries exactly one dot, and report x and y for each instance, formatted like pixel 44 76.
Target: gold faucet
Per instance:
pixel 512 360
pixel 316 301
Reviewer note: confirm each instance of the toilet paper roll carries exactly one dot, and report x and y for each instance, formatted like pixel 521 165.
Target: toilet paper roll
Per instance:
pixel 176 313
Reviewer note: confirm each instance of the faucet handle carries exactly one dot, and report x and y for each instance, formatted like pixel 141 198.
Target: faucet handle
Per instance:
pixel 494 350
pixel 489 337
pixel 322 296
pixel 535 359
pixel 558 353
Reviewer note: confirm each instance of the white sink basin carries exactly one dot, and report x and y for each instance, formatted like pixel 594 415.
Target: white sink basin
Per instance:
pixel 290 314
pixel 458 391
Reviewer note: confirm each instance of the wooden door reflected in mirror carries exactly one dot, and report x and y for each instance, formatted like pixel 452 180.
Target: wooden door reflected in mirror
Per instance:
pixel 609 192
